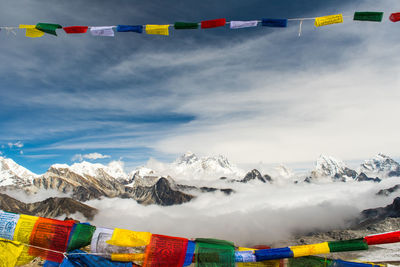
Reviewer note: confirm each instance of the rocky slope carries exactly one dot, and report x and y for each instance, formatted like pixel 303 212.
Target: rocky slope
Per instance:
pixel 51 207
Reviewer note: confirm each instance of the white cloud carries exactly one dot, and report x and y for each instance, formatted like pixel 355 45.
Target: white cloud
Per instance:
pixel 91 156
pixel 18 144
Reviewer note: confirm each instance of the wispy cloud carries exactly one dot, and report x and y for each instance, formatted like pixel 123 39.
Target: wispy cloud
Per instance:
pixel 90 156
pixel 18 144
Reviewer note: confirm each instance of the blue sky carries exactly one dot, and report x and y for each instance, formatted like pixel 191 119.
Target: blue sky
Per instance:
pixel 254 95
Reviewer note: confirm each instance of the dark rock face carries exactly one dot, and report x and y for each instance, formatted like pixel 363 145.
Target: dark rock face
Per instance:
pixel 255 175
pixel 51 207
pixel 363 177
pixel 395 173
pixel 387 192
pixel 370 216
pixel 160 193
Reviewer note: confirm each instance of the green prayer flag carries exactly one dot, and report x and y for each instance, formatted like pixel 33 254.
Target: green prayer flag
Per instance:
pixel 48 28
pixel 81 236
pixel 368 16
pixel 186 25
pixel 214 253
pixel 348 245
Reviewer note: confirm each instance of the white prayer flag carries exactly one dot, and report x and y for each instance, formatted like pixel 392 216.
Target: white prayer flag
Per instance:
pixel 102 31
pixel 243 24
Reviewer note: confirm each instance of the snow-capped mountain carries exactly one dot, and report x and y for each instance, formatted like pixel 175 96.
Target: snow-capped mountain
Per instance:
pixel 189 166
pixel 380 164
pixel 327 166
pixel 114 169
pixel 13 174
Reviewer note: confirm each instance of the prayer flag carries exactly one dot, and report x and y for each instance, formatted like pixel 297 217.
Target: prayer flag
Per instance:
pixel 8 222
pixel 348 245
pixel 385 238
pixel 243 24
pixel 165 251
pixel 51 234
pixel 273 254
pixel 75 29
pixel 130 28
pixel 31 31
pixel 48 28
pixel 83 259
pixel 9 252
pixel 214 252
pixel 307 250
pixel 189 253
pixel 23 232
pixel 327 20
pixel 127 238
pixel 81 236
pixel 395 17
pixel 207 24
pixel 157 29
pixel 186 25
pixel 277 23
pixel 368 16
pixel 102 31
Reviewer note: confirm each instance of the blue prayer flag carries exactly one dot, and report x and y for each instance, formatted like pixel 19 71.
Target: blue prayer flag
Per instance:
pixel 130 28
pixel 278 23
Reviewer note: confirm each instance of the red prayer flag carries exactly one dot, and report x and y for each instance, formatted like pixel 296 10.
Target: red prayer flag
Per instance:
pixel 165 251
pixel 392 237
pixel 395 17
pixel 206 24
pixel 50 234
pixel 76 29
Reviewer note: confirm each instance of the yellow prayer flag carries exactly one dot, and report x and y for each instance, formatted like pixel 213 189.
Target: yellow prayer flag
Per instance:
pixel 127 257
pixel 273 263
pixel 327 20
pixel 31 31
pixel 308 250
pixel 9 252
pixel 22 234
pixel 127 238
pixel 157 29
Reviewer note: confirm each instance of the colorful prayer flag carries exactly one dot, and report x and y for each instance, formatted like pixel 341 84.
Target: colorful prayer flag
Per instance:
pixel 157 29
pixel 9 252
pixel 385 238
pixel 368 16
pixel 81 236
pixel 348 245
pixel 48 28
pixel 277 23
pixel 23 232
pixel 214 252
pixel 273 254
pixel 327 20
pixel 207 24
pixel 165 251
pixel 81 258
pixel 395 17
pixel 243 24
pixel 307 250
pixel 102 31
pixel 8 222
pixel 130 28
pixel 127 238
pixel 186 25
pixel 31 31
pixel 189 253
pixel 75 29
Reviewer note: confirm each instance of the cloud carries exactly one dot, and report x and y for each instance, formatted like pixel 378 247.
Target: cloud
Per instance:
pixel 18 144
pixel 91 156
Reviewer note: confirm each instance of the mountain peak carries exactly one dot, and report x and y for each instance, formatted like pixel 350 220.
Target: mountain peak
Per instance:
pixel 379 164
pixel 328 166
pixel 187 158
pixel 12 173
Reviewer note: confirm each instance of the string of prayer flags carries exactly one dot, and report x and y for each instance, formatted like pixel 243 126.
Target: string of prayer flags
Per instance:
pixel 8 222
pixel 348 245
pixel 81 236
pixel 165 251
pixel 328 20
pixel 157 29
pixel 48 28
pixel 277 23
pixel 214 23
pixel 385 238
pixel 130 28
pixel 102 31
pixel 186 25
pixel 31 31
pixel 75 29
pixel 368 16
pixel 395 17
pixel 243 24
pixel 214 252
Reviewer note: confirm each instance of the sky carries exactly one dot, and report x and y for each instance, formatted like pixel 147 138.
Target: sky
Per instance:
pixel 253 95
